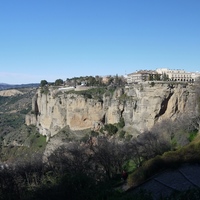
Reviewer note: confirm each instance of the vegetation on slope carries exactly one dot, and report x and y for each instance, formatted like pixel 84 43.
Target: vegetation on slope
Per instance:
pixel 82 171
pixel 187 154
pixel 17 139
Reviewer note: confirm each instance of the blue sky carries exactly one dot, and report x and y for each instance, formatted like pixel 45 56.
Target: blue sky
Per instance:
pixel 51 39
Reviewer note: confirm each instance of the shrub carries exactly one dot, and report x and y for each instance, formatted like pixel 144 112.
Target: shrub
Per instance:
pixel 111 129
pixel 128 137
pixel 153 166
pixel 44 90
pixel 136 177
pixel 192 135
pixel 121 123
pixel 122 134
pixel 171 159
pixel 59 82
pixel 85 138
pixel 94 133
pixel 152 84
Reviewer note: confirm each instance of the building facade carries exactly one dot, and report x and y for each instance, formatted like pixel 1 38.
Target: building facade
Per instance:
pixel 141 76
pixel 162 74
pixel 179 75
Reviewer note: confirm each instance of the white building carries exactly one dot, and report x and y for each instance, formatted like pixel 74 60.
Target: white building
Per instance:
pixel 178 75
pixel 140 76
pixel 162 74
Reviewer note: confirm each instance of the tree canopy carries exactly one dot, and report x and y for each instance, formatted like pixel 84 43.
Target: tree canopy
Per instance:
pixel 43 83
pixel 59 82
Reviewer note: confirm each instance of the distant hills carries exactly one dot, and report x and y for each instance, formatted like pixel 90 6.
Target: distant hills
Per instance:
pixel 5 86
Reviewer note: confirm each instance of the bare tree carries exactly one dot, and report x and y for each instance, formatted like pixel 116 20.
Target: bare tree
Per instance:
pixel 72 158
pixel 110 156
pixel 135 152
pixel 152 144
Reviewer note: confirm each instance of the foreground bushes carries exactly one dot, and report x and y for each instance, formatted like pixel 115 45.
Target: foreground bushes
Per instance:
pixel 31 182
pixel 171 159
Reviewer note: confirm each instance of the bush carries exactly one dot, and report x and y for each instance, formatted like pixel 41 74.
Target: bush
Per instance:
pixel 94 133
pixel 121 123
pixel 136 177
pixel 152 84
pixel 153 166
pixel 192 135
pixel 128 137
pixel 111 129
pixel 85 138
pixel 171 159
pixel 59 82
pixel 44 90
pixel 122 134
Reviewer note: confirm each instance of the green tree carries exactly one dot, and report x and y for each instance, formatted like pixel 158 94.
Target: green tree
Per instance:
pixel 43 83
pixel 58 82
pixel 165 77
pixel 150 77
pixel 98 80
pixel 157 77
pixel 91 81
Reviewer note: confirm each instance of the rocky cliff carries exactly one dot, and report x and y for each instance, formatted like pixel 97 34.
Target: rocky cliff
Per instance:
pixel 141 106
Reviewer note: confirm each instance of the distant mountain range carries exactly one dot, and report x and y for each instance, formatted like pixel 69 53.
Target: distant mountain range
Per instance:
pixel 5 86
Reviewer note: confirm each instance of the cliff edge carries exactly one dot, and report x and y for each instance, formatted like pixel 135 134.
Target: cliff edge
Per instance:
pixel 141 106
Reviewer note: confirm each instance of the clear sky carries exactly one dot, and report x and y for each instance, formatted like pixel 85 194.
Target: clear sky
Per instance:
pixel 52 39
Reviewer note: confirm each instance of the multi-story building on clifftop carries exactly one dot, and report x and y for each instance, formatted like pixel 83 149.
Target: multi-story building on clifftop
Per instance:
pixel 179 74
pixel 163 74
pixel 140 76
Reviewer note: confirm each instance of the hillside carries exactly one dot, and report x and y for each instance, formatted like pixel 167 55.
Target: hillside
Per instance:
pixel 11 92
pixel 15 136
pixel 4 86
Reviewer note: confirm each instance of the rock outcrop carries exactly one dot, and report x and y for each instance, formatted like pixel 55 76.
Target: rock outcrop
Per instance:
pixel 141 106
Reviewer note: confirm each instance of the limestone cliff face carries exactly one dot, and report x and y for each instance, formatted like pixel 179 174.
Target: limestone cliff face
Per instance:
pixel 141 106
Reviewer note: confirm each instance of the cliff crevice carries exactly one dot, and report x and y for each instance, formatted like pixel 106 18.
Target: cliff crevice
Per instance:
pixel 164 106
